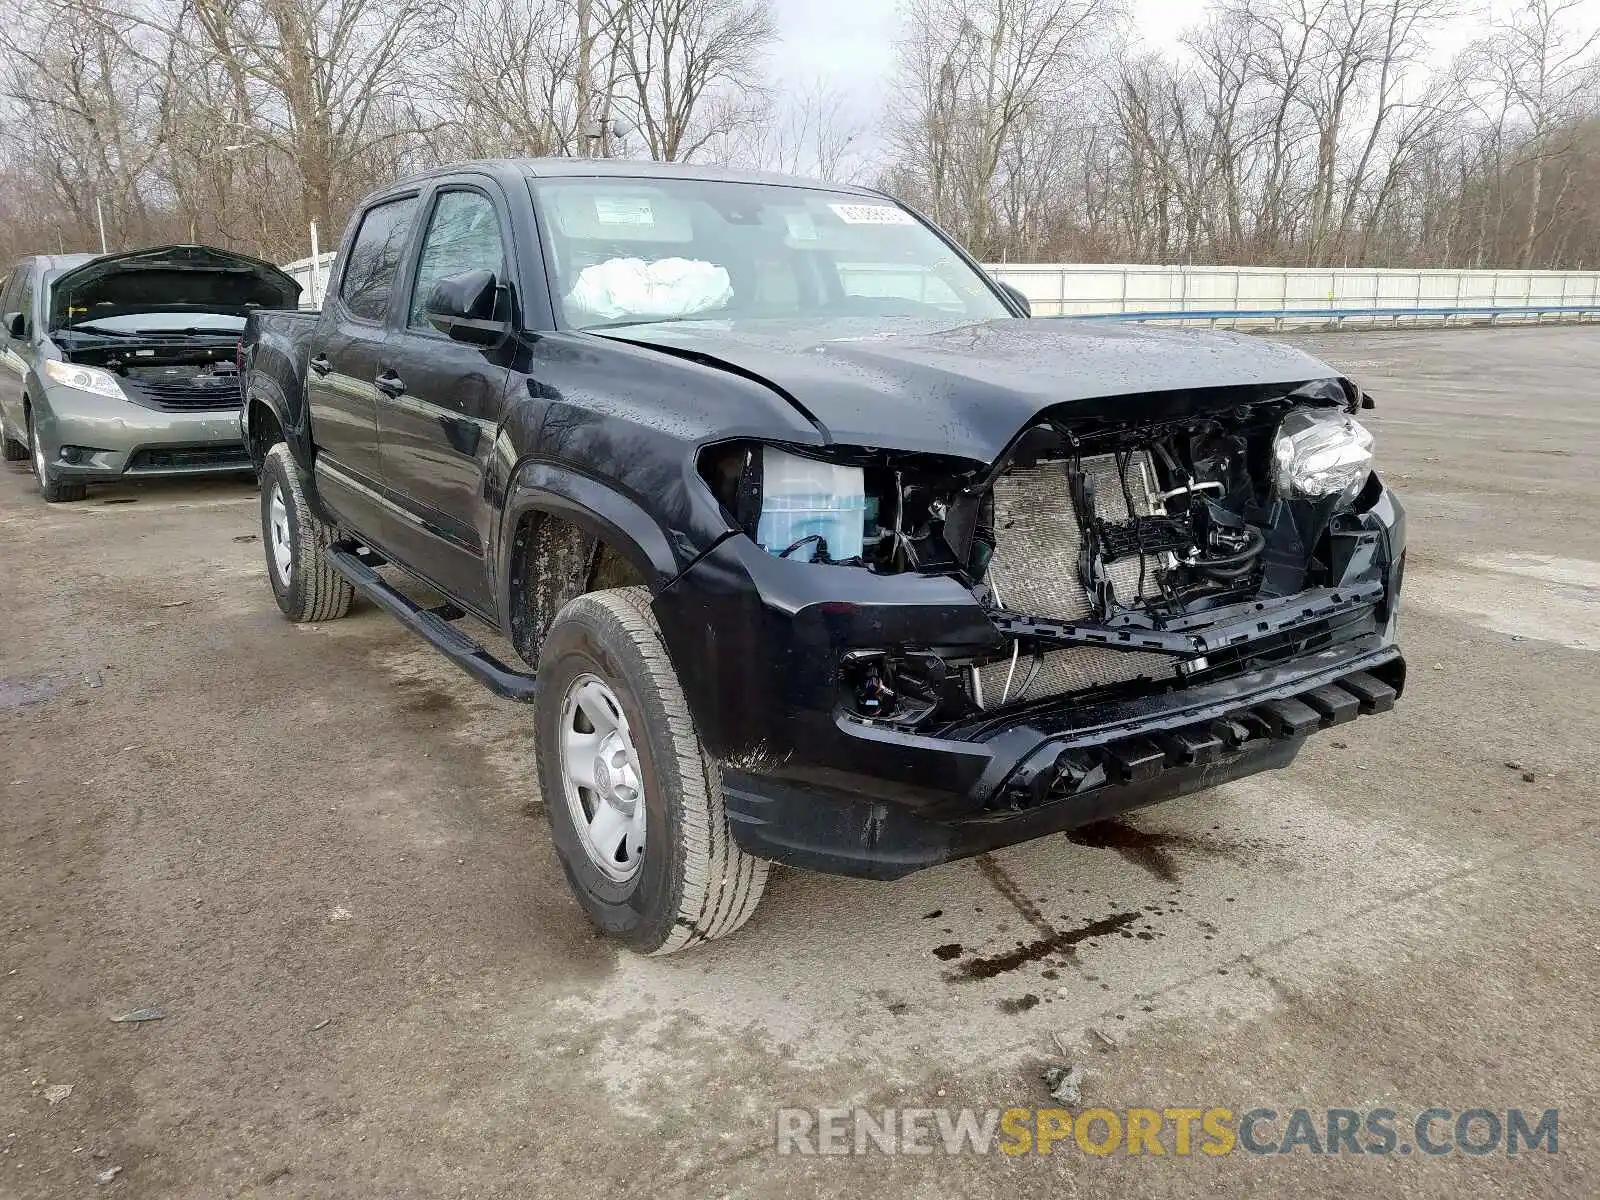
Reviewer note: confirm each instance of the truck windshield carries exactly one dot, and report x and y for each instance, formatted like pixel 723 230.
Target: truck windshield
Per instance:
pixel 629 251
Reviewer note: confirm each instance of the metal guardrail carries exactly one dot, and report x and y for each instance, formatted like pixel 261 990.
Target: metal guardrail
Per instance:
pixel 1338 316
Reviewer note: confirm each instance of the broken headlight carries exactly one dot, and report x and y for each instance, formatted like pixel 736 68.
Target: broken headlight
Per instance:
pixel 1321 454
pixel 794 505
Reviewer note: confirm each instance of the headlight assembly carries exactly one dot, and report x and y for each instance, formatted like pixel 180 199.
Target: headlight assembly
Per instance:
pixel 85 379
pixel 810 507
pixel 1321 454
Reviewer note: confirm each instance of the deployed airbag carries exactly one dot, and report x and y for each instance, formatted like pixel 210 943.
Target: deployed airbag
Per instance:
pixel 669 287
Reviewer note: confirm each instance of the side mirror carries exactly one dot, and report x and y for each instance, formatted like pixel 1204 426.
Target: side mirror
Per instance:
pixel 1017 298
pixel 16 324
pixel 465 306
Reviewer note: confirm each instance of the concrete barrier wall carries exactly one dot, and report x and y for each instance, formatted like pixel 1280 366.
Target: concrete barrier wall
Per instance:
pixel 1057 289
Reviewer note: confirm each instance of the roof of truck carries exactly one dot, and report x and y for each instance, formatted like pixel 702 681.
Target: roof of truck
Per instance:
pixel 630 168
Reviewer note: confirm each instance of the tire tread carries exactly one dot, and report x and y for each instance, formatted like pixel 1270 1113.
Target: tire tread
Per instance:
pixel 324 593
pixel 720 885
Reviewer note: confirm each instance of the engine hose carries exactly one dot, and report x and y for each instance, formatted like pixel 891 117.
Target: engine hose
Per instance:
pixel 1230 575
pixel 1240 561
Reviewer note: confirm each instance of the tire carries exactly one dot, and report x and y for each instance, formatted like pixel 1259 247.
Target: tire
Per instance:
pixel 304 581
pixel 55 491
pixel 691 882
pixel 11 449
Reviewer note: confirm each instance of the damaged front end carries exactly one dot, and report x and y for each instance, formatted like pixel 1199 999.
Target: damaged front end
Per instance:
pixel 1148 540
pixel 1156 584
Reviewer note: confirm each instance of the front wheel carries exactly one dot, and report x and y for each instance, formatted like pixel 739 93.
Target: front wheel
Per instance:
pixel 297 541
pixel 634 803
pixel 54 491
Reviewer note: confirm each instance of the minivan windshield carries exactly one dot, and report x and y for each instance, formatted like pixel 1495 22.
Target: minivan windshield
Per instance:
pixel 629 251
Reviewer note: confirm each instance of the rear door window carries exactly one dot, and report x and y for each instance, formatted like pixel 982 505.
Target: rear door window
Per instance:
pixel 375 256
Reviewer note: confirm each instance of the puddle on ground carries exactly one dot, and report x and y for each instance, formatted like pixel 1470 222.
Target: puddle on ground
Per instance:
pixel 21 692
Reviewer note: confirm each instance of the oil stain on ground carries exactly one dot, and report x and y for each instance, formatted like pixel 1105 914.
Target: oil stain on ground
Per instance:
pixel 1151 851
pixel 1019 1005
pixel 989 966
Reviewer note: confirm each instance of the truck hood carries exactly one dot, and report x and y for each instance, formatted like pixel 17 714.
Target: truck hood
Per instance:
pixel 966 390
pixel 197 279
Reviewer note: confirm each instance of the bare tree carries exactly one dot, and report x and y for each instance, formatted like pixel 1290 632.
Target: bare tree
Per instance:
pixel 687 71
pixel 1547 73
pixel 1312 131
pixel 971 75
pixel 508 81
pixel 805 129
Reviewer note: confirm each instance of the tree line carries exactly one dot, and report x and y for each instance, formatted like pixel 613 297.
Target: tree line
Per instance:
pixel 1307 132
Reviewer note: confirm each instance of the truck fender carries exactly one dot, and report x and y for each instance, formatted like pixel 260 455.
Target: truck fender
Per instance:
pixel 265 391
pixel 593 507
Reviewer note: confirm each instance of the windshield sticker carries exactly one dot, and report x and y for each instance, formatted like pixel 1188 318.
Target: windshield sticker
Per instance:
pixel 623 210
pixel 801 227
pixel 871 214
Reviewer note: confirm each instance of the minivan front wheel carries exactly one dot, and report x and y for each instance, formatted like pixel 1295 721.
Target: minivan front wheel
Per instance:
pixel 634 802
pixel 55 491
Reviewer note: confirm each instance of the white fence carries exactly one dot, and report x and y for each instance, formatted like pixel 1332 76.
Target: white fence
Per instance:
pixel 1255 295
pixel 1343 293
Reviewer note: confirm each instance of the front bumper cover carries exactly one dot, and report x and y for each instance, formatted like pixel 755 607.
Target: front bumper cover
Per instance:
pixel 121 439
pixel 1039 782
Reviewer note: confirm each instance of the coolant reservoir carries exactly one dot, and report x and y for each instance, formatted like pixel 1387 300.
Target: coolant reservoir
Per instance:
pixel 802 497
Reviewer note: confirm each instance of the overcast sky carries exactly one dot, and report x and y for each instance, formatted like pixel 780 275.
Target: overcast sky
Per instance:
pixel 851 42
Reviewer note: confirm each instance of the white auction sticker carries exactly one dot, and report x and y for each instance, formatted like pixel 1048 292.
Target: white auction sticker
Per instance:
pixel 871 214
pixel 623 210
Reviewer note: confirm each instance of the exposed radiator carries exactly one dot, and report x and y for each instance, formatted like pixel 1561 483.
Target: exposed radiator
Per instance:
pixel 1034 571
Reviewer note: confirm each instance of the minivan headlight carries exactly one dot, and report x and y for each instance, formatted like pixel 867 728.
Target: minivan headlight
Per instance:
pixel 85 379
pixel 1321 454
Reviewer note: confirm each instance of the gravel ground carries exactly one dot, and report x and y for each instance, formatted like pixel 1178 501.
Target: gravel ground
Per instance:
pixel 320 853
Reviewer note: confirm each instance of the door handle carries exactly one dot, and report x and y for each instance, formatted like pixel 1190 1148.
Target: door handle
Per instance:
pixel 321 364
pixel 390 384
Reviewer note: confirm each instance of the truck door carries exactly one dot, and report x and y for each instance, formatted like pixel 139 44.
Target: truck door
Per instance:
pixel 442 401
pixel 346 359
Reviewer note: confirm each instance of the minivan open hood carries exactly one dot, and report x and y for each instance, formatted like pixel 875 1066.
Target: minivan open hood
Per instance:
pixel 967 389
pixel 199 279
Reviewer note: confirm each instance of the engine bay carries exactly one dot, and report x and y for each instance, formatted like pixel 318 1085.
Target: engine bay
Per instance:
pixel 199 371
pixel 1104 546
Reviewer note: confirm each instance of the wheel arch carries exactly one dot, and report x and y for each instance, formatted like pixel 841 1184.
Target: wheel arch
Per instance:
pixel 592 535
pixel 265 414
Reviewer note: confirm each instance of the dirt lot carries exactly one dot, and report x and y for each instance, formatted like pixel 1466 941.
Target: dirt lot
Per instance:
pixel 319 851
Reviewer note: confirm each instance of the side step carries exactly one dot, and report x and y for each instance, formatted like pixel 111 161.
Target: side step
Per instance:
pixel 436 628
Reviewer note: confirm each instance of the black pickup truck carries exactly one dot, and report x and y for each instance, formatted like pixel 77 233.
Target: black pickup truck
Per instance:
pixel 812 547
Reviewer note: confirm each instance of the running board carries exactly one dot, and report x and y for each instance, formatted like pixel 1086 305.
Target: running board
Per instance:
pixel 436 628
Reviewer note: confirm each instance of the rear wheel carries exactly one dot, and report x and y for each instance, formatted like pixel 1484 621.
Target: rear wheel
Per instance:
pixel 297 541
pixel 54 490
pixel 13 450
pixel 634 803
